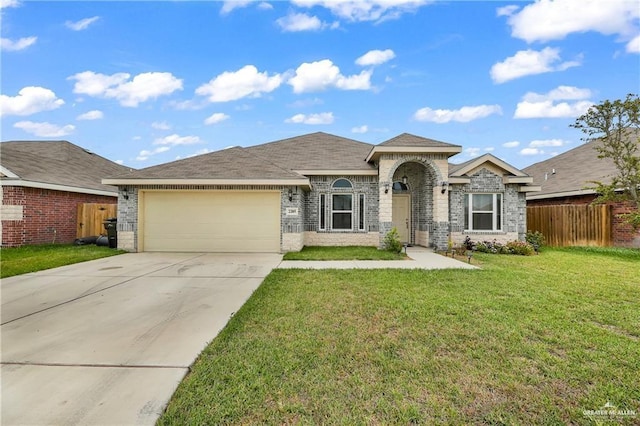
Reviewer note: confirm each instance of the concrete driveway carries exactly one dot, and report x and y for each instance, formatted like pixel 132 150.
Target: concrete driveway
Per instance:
pixel 108 341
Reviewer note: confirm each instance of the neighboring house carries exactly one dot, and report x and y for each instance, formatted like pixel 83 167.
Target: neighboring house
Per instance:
pixel 319 189
pixel 42 185
pixel 568 179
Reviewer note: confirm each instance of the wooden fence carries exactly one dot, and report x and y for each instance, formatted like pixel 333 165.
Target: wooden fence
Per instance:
pixel 91 216
pixel 572 225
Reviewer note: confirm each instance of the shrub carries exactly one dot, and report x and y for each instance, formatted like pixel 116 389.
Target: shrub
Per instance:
pixel 522 248
pixel 392 241
pixel 536 239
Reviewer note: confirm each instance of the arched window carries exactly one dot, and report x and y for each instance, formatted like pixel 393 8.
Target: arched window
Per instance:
pixel 342 184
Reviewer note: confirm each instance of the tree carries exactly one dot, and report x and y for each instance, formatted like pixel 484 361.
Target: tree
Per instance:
pixel 614 126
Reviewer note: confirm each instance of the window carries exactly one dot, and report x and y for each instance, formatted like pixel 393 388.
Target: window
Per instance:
pixel 342 211
pixel 361 212
pixel 322 211
pixel 342 183
pixel 483 212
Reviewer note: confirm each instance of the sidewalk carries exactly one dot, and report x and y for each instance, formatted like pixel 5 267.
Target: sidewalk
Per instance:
pixel 419 258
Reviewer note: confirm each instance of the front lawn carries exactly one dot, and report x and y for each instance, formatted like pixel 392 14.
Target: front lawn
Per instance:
pixel 343 253
pixel 22 260
pixel 524 340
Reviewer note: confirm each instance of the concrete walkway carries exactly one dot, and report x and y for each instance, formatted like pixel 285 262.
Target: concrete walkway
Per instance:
pixel 419 258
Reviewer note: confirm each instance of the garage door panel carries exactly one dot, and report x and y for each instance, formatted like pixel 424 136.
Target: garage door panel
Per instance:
pixel 212 221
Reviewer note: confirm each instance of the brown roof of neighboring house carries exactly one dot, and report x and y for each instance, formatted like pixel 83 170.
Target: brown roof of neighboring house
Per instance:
pixel 230 163
pixel 316 151
pixel 409 140
pixel 569 173
pixel 56 163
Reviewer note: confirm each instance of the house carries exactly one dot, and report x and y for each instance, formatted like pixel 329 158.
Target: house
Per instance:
pixel 42 185
pixel 320 189
pixel 568 179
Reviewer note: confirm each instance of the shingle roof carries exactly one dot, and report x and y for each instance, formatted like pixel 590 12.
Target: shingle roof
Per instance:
pixel 409 140
pixel 316 151
pixel 58 163
pixel 571 171
pixel 231 163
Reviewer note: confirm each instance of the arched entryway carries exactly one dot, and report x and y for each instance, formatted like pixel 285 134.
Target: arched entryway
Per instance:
pixel 413 202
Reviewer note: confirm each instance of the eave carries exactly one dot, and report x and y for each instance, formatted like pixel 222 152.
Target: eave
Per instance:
pixel 376 151
pixel 304 183
pixel 56 187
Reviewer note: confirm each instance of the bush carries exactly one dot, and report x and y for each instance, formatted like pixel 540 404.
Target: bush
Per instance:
pixel 512 247
pixel 522 248
pixel 536 239
pixel 392 241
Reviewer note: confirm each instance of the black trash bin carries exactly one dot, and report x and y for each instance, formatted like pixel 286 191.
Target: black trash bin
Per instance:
pixel 111 225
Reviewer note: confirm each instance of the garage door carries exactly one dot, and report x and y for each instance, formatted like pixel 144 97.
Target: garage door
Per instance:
pixel 211 221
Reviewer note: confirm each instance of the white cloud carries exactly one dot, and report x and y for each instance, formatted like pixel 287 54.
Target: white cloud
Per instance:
pixel 506 10
pixel 321 118
pixel 9 45
pixel 91 115
pixel 530 62
pixel 216 118
pixel 511 144
pixel 463 115
pixel 177 140
pixel 304 103
pixel 145 154
pixel 45 130
pixel 160 125
pixel 472 152
pixel 375 57
pixel 295 22
pixel 634 45
pixel 535 105
pixel 30 100
pixel 229 5
pixel 9 3
pixel 553 20
pixel 531 151
pixel 547 142
pixel 320 75
pixel 365 10
pixel 265 6
pixel 489 149
pixel 360 129
pixel 129 93
pixel 121 162
pixel 246 82
pixel 82 24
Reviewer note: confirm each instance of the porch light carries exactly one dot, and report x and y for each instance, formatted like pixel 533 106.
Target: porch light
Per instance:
pixel 290 194
pixel 444 186
pixel 386 187
pixel 405 179
pixel 125 193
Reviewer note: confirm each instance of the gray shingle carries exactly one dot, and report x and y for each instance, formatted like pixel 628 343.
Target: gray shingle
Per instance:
pixel 59 163
pixel 573 170
pixel 409 140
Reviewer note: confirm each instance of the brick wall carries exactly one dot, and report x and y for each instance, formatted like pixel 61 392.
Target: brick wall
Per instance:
pixel 48 216
pixel 623 234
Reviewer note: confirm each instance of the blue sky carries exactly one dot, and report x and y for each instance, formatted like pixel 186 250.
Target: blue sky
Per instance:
pixel 144 83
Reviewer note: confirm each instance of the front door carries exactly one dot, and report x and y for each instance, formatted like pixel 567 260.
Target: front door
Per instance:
pixel 401 214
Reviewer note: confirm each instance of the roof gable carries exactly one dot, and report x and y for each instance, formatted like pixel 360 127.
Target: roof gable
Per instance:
pixel 472 165
pixel 409 140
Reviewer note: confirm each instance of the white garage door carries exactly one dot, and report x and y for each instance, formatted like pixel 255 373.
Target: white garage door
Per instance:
pixel 211 221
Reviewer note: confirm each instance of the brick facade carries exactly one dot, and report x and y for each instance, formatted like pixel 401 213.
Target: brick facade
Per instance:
pixel 48 216
pixel 623 234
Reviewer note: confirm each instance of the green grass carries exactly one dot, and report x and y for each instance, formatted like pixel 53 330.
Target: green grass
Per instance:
pixel 524 340
pixel 22 260
pixel 343 253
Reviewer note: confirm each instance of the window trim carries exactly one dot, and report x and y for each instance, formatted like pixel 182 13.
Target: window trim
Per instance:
pixel 496 213
pixel 342 188
pixel 362 217
pixel 350 212
pixel 322 212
